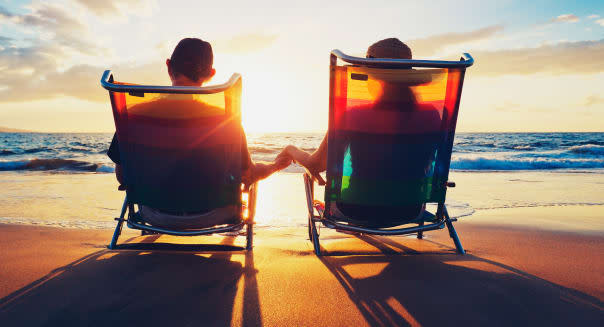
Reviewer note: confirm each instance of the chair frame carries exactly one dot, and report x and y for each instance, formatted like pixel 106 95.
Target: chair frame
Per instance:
pixel 128 206
pixel 441 218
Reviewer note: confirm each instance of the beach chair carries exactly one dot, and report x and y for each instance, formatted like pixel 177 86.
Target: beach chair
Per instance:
pixel 390 138
pixel 180 152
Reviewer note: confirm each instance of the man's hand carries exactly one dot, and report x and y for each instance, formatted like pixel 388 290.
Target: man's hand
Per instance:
pixel 282 161
pixel 261 170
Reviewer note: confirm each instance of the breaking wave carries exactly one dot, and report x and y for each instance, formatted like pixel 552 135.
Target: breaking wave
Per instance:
pixel 485 163
pixel 55 164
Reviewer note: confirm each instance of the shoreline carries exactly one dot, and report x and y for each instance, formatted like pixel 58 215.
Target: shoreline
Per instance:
pixel 551 199
pixel 496 217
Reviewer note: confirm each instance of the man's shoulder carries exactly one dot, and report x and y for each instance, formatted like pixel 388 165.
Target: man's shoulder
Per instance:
pixel 176 108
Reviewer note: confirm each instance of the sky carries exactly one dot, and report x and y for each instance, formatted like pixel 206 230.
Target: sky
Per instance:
pixel 539 64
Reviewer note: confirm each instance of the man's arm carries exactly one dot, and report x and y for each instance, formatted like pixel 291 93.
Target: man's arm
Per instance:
pixel 119 174
pixel 114 154
pixel 255 171
pixel 261 170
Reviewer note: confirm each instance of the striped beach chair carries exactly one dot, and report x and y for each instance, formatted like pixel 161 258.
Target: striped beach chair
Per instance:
pixel 390 138
pixel 180 151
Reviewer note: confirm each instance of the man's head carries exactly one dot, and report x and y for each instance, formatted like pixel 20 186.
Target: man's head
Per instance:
pixel 191 62
pixel 391 48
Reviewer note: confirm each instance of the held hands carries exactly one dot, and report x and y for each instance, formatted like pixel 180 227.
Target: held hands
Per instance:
pixel 261 170
pixel 282 161
pixel 312 164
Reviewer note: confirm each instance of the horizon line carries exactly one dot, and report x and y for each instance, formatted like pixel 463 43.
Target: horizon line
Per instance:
pixel 300 132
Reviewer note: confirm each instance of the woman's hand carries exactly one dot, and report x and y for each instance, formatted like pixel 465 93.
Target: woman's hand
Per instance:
pixel 312 163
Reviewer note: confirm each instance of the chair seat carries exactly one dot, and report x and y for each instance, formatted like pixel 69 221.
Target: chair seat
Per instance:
pixel 376 223
pixel 216 217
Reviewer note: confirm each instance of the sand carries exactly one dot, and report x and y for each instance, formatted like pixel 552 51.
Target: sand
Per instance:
pixel 535 264
pixel 510 276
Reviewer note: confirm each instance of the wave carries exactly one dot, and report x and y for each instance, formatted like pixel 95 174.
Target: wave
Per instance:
pixel 593 149
pixel 587 142
pixel 259 149
pixel 6 152
pixel 522 147
pixel 54 164
pixel 540 204
pixel 78 224
pixel 482 163
pixel 81 149
pixel 36 150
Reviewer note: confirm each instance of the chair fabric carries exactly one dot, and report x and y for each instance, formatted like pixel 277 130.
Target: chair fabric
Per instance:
pixel 390 135
pixel 181 153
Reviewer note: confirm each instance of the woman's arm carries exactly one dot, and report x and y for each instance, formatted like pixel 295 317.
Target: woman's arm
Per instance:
pixel 316 162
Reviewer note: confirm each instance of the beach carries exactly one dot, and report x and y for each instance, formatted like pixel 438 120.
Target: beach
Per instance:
pixel 488 109
pixel 533 257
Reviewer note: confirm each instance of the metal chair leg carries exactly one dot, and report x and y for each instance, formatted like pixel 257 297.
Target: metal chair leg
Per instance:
pixel 315 237
pixel 420 234
pixel 249 238
pixel 453 233
pixel 118 227
pixel 308 187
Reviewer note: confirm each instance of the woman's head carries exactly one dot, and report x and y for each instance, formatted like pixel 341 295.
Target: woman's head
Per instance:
pixel 391 48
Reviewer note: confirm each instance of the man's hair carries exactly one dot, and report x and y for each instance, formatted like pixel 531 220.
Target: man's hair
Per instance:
pixel 192 58
pixel 391 48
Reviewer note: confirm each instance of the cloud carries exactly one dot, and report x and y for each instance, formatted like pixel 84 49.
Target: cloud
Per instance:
pixel 593 100
pixel 431 45
pixel 105 7
pixel 566 18
pixel 43 68
pixel 4 13
pixel 54 23
pixel 593 16
pixel 247 43
pixel 80 81
pixel 37 60
pixel 113 7
pixel 583 57
pixel 600 22
pixel 5 40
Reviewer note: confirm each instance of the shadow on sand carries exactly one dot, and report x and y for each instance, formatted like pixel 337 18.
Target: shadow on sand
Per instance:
pixel 411 288
pixel 210 286
pixel 141 287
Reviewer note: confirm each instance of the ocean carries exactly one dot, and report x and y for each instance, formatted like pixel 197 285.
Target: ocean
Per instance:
pixel 86 152
pixel 66 180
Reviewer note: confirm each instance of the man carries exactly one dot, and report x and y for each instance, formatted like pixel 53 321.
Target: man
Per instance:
pixel 371 159
pixel 191 64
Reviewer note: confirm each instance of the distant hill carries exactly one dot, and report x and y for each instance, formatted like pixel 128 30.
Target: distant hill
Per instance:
pixel 13 130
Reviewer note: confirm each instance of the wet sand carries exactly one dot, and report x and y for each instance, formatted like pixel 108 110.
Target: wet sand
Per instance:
pixel 510 276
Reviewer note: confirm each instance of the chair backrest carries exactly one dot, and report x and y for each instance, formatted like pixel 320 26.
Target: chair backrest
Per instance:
pixel 180 147
pixel 391 130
